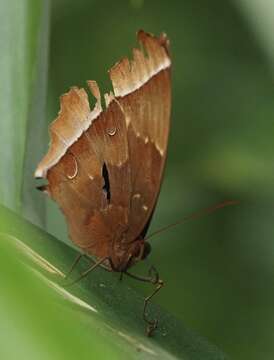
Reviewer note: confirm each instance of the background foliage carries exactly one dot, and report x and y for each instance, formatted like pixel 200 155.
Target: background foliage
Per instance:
pixel 218 270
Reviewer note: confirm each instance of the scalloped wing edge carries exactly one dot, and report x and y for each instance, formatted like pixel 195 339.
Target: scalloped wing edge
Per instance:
pixel 75 116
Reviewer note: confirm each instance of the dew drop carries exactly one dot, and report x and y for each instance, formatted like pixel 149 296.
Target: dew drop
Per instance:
pixel 111 131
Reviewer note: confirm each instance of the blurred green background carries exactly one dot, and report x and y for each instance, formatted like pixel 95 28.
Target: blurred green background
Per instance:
pixel 218 270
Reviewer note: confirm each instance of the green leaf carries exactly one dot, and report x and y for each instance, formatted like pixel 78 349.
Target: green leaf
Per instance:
pixel 99 315
pixel 24 29
pixel 260 16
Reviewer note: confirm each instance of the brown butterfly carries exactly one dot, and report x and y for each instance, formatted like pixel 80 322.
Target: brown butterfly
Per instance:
pixel 105 166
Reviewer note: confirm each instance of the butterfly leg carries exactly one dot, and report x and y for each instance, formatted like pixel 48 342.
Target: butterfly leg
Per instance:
pixel 92 261
pixel 74 264
pixel 85 273
pixel 154 279
pixel 151 324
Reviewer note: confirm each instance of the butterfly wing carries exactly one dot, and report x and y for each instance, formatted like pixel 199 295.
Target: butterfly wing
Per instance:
pixel 143 90
pixel 104 167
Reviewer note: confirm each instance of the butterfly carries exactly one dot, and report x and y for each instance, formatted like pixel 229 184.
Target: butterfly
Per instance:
pixel 105 165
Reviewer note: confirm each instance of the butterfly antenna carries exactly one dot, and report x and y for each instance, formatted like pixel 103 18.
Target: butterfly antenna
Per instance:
pixel 196 215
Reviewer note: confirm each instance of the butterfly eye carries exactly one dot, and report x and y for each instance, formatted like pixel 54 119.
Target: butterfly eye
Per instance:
pixel 147 250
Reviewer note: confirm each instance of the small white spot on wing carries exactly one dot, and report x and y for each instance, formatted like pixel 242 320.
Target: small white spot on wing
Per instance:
pixel 161 151
pixel 111 131
pixel 75 172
